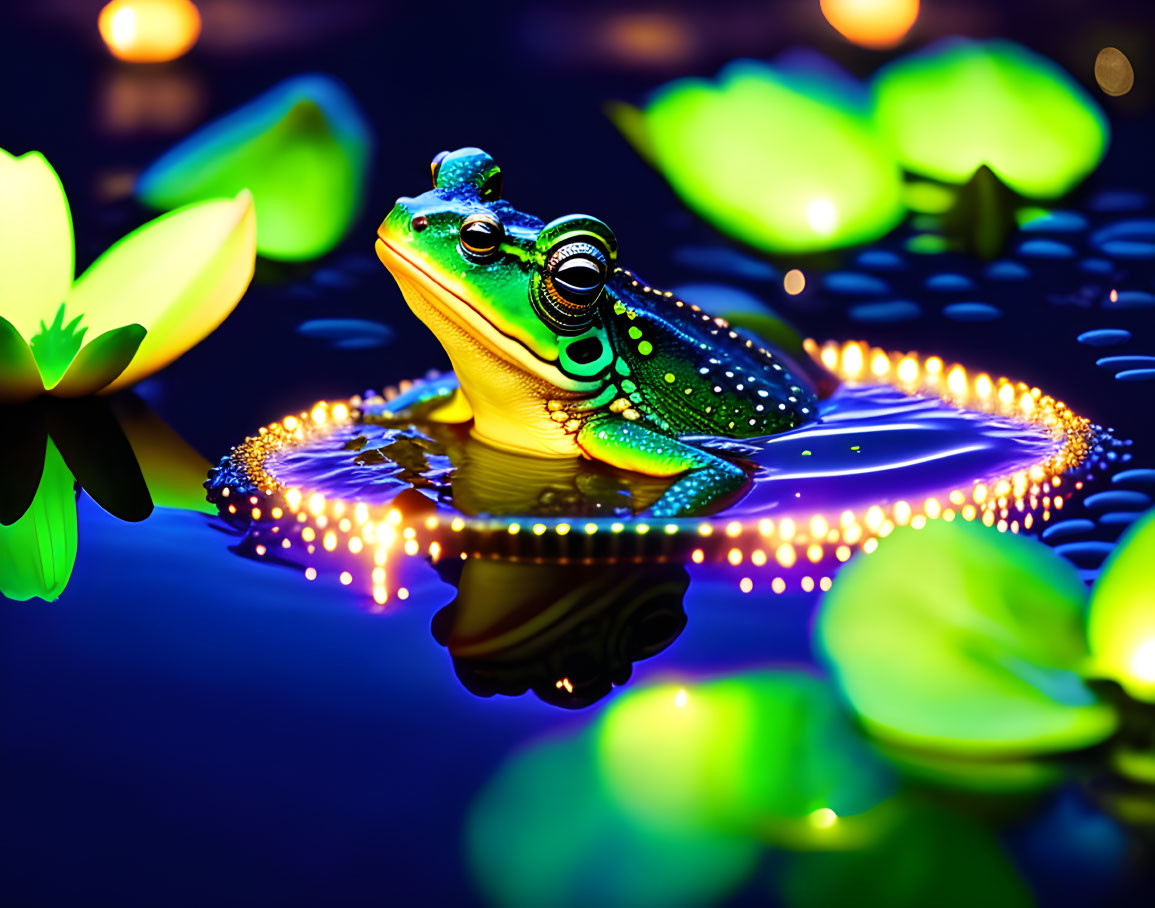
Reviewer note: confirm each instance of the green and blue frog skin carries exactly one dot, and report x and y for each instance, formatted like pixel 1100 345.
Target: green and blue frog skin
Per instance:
pixel 560 353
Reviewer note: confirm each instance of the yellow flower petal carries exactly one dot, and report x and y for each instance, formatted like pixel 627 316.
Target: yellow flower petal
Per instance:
pixel 36 255
pixel 38 551
pixel 19 376
pixel 179 276
pixel 98 363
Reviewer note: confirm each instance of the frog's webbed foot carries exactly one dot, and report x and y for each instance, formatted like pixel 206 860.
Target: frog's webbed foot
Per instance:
pixel 437 400
pixel 624 444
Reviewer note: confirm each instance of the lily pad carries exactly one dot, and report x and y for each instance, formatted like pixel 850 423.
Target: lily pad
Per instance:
pixel 782 160
pixel 1121 623
pixel 961 104
pixel 962 640
pixel 302 149
pixel 766 751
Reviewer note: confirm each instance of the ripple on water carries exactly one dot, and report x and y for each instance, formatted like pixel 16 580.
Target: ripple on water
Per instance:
pixel 1006 271
pixel 1045 249
pixel 971 312
pixel 1064 529
pixel 1136 375
pixel 1116 499
pixel 891 311
pixel 853 282
pixel 1097 266
pixel 1104 337
pixel 947 282
pixel 1143 476
pixel 1131 299
pixel 1117 200
pixel 1056 222
pixel 881 260
pixel 872 443
pixel 1125 362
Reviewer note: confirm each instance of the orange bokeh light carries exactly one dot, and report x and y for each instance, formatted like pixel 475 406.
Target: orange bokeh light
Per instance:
pixel 149 31
pixel 872 23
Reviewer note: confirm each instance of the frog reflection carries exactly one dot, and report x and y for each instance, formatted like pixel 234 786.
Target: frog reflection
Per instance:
pixel 568 632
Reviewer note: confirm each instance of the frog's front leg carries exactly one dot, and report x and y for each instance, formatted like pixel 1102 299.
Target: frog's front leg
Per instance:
pixel 629 446
pixel 437 400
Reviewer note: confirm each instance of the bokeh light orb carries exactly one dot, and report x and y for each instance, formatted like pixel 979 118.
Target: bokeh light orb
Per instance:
pixel 149 31
pixel 879 24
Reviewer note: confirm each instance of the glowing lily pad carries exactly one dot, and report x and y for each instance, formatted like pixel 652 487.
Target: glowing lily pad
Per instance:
pixel 1121 624
pixel 962 104
pixel 784 161
pixel 960 639
pixel 771 751
pixel 302 149
pixel 545 831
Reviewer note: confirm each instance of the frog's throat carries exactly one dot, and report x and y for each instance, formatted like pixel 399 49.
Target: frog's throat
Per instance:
pixel 422 288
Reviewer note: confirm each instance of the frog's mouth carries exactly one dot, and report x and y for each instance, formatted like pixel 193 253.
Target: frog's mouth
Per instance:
pixel 419 286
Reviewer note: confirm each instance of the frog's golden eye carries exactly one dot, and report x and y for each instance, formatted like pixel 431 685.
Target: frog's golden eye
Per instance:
pixel 574 276
pixel 481 235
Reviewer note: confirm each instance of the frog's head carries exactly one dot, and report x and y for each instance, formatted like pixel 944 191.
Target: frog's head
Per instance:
pixel 487 278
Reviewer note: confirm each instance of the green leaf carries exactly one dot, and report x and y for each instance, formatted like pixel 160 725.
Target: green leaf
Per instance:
pixel 963 640
pixel 963 104
pixel 1121 623
pixel 38 551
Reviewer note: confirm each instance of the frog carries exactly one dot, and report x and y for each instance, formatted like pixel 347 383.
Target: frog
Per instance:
pixel 558 351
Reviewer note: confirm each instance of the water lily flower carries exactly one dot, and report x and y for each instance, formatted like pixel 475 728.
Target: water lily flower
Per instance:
pixel 145 301
pixel 960 640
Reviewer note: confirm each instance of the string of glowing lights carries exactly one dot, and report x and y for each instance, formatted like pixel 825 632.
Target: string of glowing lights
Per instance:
pixel 287 516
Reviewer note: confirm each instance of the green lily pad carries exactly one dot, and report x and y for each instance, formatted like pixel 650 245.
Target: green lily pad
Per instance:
pixel 926 856
pixel 781 162
pixel 302 149
pixel 545 831
pixel 963 640
pixel 770 752
pixel 1121 623
pixel 961 104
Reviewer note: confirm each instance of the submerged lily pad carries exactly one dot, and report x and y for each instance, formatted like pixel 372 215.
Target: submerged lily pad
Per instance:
pixel 1121 623
pixel 962 104
pixel 963 640
pixel 302 149
pixel 783 160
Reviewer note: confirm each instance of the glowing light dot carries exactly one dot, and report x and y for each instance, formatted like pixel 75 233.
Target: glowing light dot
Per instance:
pixel 310 573
pixel 149 31
pixel 852 360
pixel 808 584
pixel 591 528
pixel 403 593
pixel 380 595
pixel 956 381
pixel 746 584
pixel 880 363
pixel 786 529
pixel 697 556
pixel 411 547
pixel 785 555
pixel 1113 72
pixel 355 544
pixel 778 585
pixel 308 534
pixel 562 529
pixel 908 370
pixel 538 529
pixel 794 282
pixel 680 698
pixel 818 526
pixel 878 24
pixel 823 818
pixel 319 414
pixel 933 366
pixel 822 216
pixel 734 556
pixel 825 584
pixel 329 542
pixel 870 545
pixel 758 558
pixel 733 528
pixel 346 578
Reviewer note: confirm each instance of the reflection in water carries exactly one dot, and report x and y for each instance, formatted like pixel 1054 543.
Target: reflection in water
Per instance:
pixel 567 632
pixel 117 451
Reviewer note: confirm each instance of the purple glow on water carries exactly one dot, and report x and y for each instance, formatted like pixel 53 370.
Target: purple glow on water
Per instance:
pixel 872 445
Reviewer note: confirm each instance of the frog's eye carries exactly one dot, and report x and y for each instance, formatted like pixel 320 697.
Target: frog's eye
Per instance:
pixel 481 236
pixel 574 276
